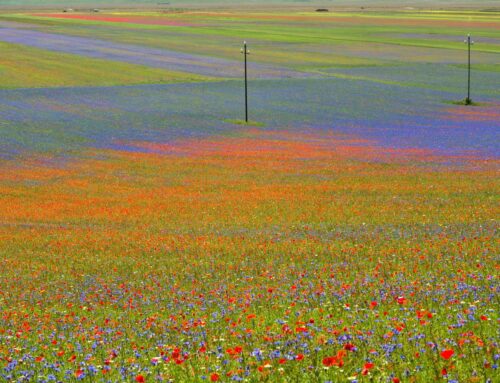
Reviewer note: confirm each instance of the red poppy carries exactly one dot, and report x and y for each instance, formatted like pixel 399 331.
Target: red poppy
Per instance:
pixel 395 380
pixel 140 379
pixel 447 354
pixel 367 367
pixel 176 353
pixel 330 361
pixel 334 360
pixel 214 377
pixel 299 357
pixel 349 347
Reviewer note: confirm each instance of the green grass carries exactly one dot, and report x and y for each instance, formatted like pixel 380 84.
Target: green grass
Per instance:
pixel 245 123
pixel 464 103
pixel 481 67
pixel 23 67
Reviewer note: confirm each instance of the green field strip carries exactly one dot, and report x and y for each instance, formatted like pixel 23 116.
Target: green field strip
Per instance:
pixel 22 66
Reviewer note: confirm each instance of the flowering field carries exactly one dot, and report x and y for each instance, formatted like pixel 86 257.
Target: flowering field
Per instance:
pixel 349 234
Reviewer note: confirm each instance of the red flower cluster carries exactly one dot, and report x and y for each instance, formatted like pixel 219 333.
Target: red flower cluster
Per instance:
pixel 337 360
pixel 447 354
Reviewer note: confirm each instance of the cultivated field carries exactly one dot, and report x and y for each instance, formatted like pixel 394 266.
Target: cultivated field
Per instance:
pixel 347 233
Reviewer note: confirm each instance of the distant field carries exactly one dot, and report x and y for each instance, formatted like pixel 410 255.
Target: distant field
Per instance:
pixel 311 42
pixel 411 58
pixel 260 3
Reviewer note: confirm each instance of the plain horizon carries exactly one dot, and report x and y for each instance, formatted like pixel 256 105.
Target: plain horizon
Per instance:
pixel 330 4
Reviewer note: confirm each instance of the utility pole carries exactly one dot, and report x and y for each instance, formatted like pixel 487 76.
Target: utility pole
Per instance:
pixel 469 42
pixel 245 53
